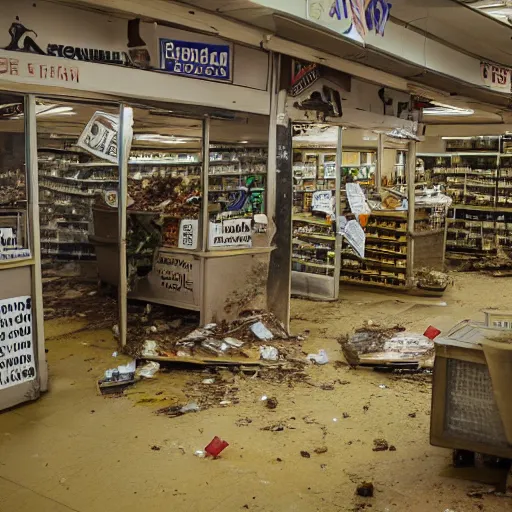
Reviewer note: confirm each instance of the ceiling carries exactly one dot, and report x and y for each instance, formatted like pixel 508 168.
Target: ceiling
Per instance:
pixel 251 129
pixel 458 26
pixel 498 9
pixel 444 20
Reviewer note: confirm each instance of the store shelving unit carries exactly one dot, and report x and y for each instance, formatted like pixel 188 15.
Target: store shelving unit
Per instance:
pixel 477 174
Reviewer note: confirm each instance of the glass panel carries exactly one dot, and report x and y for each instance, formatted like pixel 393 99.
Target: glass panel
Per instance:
pixel 237 182
pixel 14 240
pixel 314 194
pixel 76 178
pixel 164 181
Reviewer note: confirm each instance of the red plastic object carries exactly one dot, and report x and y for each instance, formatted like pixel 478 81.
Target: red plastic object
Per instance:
pixel 216 446
pixel 432 333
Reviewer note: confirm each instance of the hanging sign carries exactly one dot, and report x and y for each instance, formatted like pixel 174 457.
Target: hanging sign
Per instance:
pixel 322 202
pixel 231 232
pixel 17 362
pixel 356 199
pixel 496 77
pixel 199 60
pixel 188 234
pixel 100 136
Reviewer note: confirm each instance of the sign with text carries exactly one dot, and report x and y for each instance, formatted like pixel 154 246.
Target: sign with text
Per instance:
pixel 100 136
pixel 194 59
pixel 188 234
pixel 357 199
pixel 231 233
pixel 496 77
pixel 322 202
pixel 355 236
pixel 17 362
pixel 9 248
pixel 175 273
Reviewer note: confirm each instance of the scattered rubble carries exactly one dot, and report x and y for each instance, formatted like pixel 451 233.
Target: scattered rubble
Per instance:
pixel 380 445
pixel 179 410
pixel 365 490
pixel 148 371
pixel 320 450
pixel 320 358
pixel 377 346
pixel 243 422
pixel 272 403
pixel 269 353
pixel 433 280
pixel 305 454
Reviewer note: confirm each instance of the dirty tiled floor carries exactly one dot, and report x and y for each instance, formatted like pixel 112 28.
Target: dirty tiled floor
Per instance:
pixel 76 451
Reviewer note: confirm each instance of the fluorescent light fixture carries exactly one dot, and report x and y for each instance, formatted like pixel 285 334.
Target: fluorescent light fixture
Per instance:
pixel 163 139
pixel 447 110
pixel 456 138
pixel 56 111
pixel 244 142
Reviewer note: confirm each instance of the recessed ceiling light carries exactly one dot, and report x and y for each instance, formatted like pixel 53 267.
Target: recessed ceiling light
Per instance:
pixel 244 142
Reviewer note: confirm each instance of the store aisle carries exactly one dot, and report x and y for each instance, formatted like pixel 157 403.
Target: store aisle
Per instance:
pixel 76 451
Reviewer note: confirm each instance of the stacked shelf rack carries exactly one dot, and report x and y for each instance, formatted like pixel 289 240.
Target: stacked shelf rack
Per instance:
pixel 385 262
pixel 480 184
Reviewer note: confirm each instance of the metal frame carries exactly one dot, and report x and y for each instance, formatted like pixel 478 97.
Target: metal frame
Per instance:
pixel 411 198
pixel 337 213
pixel 123 154
pixel 35 243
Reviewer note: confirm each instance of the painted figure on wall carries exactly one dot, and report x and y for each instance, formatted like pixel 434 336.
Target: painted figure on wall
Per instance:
pixel 21 41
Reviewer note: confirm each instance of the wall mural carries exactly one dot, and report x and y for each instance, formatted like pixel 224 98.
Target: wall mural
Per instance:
pixel 352 18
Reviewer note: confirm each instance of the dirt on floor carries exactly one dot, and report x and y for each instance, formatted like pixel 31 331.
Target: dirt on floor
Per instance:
pixel 323 434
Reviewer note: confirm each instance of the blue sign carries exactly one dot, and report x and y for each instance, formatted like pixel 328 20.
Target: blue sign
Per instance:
pixel 199 60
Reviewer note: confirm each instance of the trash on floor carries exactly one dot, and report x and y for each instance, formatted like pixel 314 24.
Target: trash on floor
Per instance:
pixel 150 348
pixel 365 490
pixel 216 447
pixel 380 445
pixel 261 332
pixel 432 280
pixel 179 410
pixel 116 379
pixel 149 370
pixel 320 358
pixel 272 403
pixel 378 346
pixel 269 353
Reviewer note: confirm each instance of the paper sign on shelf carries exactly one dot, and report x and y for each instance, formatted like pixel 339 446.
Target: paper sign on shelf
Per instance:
pixel 357 200
pixel 188 234
pixel 355 236
pixel 17 362
pixel 322 201
pixel 231 232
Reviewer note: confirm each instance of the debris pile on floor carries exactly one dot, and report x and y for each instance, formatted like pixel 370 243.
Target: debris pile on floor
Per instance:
pixel 377 346
pixel 429 279
pixel 213 342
